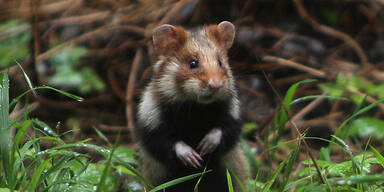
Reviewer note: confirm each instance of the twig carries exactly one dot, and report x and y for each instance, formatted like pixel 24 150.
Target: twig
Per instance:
pixel 20 111
pixel 74 41
pixel 36 39
pixel 112 80
pixel 47 9
pixel 308 108
pixel 291 79
pixel 295 65
pixel 333 32
pixel 82 19
pixel 130 91
pixel 68 11
pixel 173 11
pixel 114 128
pixel 246 87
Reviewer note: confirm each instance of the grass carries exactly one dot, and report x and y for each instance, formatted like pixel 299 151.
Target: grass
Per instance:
pixel 35 158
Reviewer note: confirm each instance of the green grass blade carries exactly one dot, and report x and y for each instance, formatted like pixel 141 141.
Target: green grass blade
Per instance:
pixel 29 82
pixel 35 179
pixel 288 169
pixel 100 186
pixel 357 113
pixel 77 98
pixel 177 181
pixel 102 136
pixel 196 188
pixel 239 182
pixel 281 117
pixel 17 99
pixel 356 179
pixel 291 91
pixel 134 171
pixel 4 128
pixel 21 131
pixel 297 182
pixel 269 184
pixel 310 97
pixel 229 180
pixel 355 166
pixel 378 156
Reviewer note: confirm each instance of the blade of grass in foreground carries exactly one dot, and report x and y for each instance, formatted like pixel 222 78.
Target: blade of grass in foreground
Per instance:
pixel 17 99
pixel 229 180
pixel 288 169
pixel 241 184
pixel 177 181
pixel 378 156
pixel 100 186
pixel 4 128
pixel 356 179
pixel 269 184
pixel 355 166
pixel 38 173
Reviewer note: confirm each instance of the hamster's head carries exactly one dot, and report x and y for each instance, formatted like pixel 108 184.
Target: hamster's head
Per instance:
pixel 193 64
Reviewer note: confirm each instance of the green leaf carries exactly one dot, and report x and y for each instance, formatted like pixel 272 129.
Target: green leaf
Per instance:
pixel 44 127
pixel 21 131
pixel 68 57
pixel 5 190
pixel 355 166
pixel 310 188
pixel 229 180
pixel 14 41
pixel 35 179
pixel 359 112
pixel 368 126
pixel 345 169
pixel 322 164
pixel 378 156
pixel 125 154
pixel 68 76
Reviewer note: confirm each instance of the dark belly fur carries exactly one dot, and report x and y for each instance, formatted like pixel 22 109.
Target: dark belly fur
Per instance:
pixel 190 122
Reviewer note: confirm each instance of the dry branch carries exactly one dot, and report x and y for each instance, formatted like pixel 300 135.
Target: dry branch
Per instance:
pixel 333 32
pixel 295 65
pixel 130 91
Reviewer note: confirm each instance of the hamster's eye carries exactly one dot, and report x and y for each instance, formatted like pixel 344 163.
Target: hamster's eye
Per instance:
pixel 193 64
pixel 219 62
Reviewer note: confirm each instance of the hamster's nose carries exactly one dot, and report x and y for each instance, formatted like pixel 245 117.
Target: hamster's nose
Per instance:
pixel 215 84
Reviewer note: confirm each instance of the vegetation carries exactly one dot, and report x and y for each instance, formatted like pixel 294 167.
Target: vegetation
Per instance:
pixel 309 75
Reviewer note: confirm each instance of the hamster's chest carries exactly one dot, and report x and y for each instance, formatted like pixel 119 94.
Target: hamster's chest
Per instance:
pixel 191 122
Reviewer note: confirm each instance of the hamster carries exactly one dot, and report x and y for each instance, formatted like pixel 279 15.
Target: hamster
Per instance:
pixel 189 114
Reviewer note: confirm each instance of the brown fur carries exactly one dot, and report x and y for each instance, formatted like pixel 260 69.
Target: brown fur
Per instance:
pixel 168 39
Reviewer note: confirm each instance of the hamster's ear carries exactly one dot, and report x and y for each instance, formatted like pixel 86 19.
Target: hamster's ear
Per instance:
pixel 227 30
pixel 223 33
pixel 167 39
